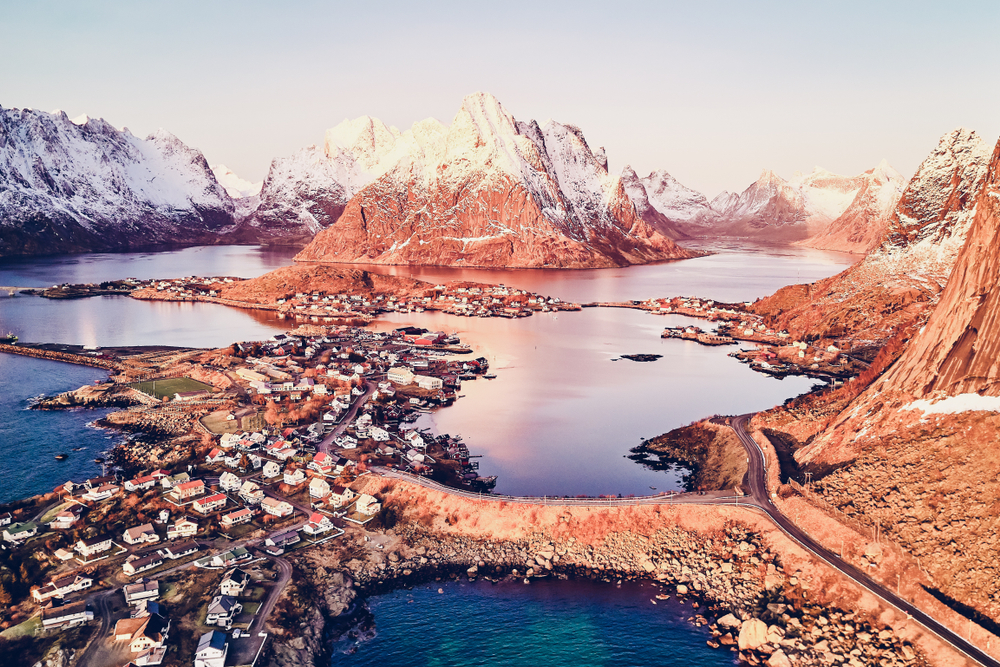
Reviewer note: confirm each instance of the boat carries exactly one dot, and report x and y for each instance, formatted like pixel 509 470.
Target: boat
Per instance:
pixel 62 457
pixel 9 339
pixel 490 376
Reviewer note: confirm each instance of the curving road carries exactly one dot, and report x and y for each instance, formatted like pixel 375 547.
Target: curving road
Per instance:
pixel 757 483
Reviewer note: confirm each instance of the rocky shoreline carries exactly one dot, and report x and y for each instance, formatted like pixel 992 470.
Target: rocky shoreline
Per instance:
pixel 736 586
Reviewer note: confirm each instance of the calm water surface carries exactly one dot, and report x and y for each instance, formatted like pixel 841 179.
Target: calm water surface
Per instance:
pixel 552 623
pixel 558 420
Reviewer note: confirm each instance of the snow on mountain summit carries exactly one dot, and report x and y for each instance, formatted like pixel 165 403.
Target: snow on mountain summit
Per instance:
pixel 237 187
pixel 489 190
pixel 67 187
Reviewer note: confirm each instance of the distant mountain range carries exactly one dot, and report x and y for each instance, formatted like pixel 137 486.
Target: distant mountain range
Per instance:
pixel 488 190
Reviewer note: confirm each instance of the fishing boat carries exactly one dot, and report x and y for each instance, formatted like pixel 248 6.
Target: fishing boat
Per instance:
pixel 9 339
pixel 62 457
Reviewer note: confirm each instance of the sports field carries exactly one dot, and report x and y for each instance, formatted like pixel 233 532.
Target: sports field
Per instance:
pixel 170 386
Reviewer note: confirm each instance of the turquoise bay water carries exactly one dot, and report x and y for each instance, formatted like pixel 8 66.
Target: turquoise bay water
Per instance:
pixel 551 623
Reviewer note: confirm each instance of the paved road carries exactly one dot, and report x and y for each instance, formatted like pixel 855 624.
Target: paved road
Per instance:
pixel 102 608
pixel 285 568
pixel 757 482
pixel 324 445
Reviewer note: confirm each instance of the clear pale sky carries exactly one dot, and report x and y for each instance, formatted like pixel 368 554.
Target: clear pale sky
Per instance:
pixel 710 91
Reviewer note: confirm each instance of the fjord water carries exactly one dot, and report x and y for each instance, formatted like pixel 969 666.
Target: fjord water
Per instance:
pixel 554 623
pixel 559 419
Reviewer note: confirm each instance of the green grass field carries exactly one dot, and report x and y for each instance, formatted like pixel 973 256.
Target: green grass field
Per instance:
pixel 169 386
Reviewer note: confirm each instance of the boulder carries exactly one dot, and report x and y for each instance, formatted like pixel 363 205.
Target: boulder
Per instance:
pixel 753 633
pixel 779 659
pixel 729 622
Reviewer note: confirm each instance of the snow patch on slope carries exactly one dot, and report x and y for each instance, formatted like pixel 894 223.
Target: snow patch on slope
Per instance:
pixel 956 404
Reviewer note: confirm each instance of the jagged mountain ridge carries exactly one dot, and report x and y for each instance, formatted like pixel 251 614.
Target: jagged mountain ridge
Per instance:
pixel 83 185
pixel 489 191
pixel 821 209
pixel 898 282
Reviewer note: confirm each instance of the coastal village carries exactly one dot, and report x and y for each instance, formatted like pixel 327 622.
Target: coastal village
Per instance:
pixel 278 433
pixel 252 472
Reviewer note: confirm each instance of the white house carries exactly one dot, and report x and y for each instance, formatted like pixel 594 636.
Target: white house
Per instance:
pixel 367 505
pixel 428 382
pixel 378 434
pixel 321 463
pixel 93 545
pixel 184 527
pixel 229 482
pixel 294 477
pixel 271 469
pixel 250 493
pixel 400 375
pixel 340 496
pixel 215 456
pixel 17 532
pixel 275 507
pixel 414 439
pixel 222 609
pixel 210 503
pixel 319 488
pixel 68 616
pixel 136 564
pixel 318 523
pixel 144 589
pixel 234 582
pixel 236 517
pixel 141 534
pixel 211 651
pixel 62 587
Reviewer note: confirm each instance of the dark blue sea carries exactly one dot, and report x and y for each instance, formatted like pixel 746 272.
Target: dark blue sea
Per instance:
pixel 550 623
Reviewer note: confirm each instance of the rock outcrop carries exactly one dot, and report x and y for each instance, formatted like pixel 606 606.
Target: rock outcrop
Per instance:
pixel 82 185
pixel 491 191
pixel 897 284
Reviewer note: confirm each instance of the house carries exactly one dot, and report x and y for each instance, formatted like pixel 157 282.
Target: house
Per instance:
pixel 367 505
pixel 101 493
pixel 414 439
pixel 271 469
pixel 7 518
pixel 67 616
pixel 318 523
pixel 340 496
pixel 227 559
pixel 143 483
pixel 141 534
pixel 378 434
pixel 234 582
pixel 321 463
pixel 137 564
pixel 175 551
pixel 215 456
pixel 275 507
pixel 63 554
pixel 318 488
pixel 18 532
pixel 250 493
pixel 66 519
pixel 151 656
pixel 210 503
pixel 144 589
pixel 61 587
pixel 294 476
pixel 222 609
pixel 174 480
pixel 428 382
pixel 340 465
pixel 229 482
pixel 400 375
pixel 275 545
pixel 212 650
pixel 236 518
pixel 142 633
pixel 285 453
pixel 188 490
pixel 184 527
pixel 93 546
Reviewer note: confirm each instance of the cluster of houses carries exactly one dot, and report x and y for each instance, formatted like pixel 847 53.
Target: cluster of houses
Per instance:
pixel 147 628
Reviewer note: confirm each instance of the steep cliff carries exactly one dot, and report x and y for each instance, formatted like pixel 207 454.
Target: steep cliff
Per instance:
pixel 900 281
pixel 492 191
pixel 81 185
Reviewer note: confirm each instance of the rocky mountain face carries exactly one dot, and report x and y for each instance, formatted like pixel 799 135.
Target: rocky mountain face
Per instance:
pixel 821 209
pixel 912 453
pixel 861 227
pixel 83 185
pixel 487 191
pixel 901 280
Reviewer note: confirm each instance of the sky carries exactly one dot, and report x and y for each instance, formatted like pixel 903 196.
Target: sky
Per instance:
pixel 712 92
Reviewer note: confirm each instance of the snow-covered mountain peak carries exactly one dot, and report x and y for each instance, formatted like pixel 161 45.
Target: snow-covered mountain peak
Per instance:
pixel 366 139
pixel 82 119
pixel 236 187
